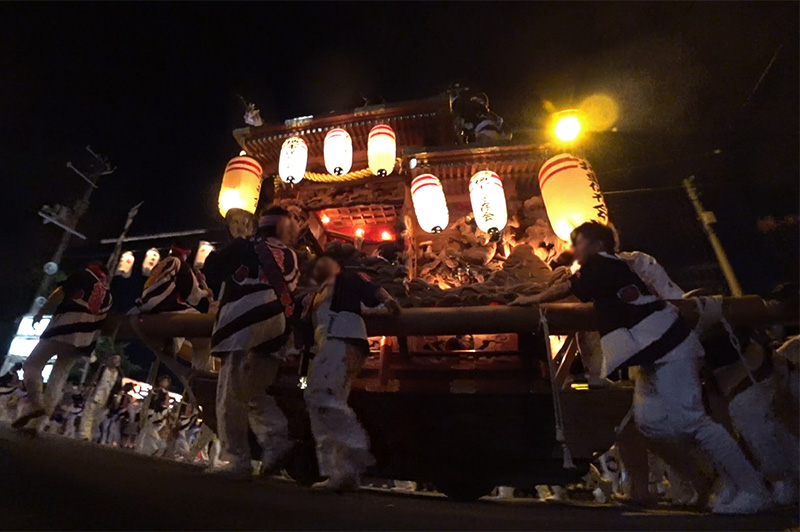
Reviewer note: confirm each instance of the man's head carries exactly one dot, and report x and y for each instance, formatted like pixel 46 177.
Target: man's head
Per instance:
pixel 164 382
pixel 325 269
pixel 275 222
pixel 591 238
pixel 114 361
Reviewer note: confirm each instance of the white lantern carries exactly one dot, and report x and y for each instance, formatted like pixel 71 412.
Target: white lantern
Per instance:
pixel 203 251
pixel 151 258
pixel 381 150
pixel 338 151
pixel 571 194
pixel 125 266
pixel 241 185
pixel 294 157
pixel 430 205
pixel 488 202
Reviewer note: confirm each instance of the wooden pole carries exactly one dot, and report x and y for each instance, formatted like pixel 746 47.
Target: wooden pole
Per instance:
pixel 563 318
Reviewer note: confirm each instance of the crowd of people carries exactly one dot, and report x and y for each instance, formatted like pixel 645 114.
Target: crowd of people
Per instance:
pixel 260 320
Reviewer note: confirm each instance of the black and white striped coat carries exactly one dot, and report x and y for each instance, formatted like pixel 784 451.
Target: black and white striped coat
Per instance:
pixel 251 315
pixel 172 287
pixel 79 317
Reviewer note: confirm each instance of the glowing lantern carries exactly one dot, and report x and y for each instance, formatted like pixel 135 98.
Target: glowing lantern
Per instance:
pixel 338 151
pixel 151 258
pixel 241 185
pixel 360 232
pixel 571 194
pixel 294 157
pixel 381 150
pixel 125 266
pixel 203 251
pixel 430 205
pixel 488 202
pixel 386 235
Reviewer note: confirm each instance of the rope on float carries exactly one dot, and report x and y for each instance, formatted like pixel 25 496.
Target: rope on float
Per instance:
pixel 560 438
pixel 332 178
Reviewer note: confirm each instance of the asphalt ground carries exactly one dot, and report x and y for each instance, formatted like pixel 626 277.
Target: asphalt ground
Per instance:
pixel 51 483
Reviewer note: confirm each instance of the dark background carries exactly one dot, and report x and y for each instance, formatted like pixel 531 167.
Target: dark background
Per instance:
pixel 154 86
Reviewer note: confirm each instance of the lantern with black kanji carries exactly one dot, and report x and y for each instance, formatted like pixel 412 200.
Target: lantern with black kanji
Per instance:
pixel 488 202
pixel 293 160
pixel 430 204
pixel 241 185
pixel 338 151
pixel 151 258
pixel 381 150
pixel 571 194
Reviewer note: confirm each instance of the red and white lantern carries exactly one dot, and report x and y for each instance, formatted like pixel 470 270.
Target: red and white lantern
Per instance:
pixel 571 194
pixel 293 160
pixel 430 204
pixel 125 265
pixel 151 258
pixel 338 151
pixel 203 251
pixel 488 202
pixel 381 150
pixel 241 185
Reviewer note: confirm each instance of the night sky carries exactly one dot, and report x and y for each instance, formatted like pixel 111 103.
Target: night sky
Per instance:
pixel 154 86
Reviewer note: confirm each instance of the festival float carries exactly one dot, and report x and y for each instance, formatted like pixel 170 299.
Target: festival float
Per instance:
pixel 438 205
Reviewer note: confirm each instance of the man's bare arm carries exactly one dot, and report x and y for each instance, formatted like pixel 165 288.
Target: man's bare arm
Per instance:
pixel 554 293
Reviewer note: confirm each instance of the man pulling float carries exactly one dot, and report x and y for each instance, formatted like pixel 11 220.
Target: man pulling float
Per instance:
pixel 639 328
pixel 250 336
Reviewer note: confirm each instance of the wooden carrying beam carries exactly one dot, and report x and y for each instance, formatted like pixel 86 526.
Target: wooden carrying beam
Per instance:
pixel 563 318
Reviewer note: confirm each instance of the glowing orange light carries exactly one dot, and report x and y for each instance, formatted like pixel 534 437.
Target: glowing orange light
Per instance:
pixel 386 235
pixel 324 219
pixel 360 232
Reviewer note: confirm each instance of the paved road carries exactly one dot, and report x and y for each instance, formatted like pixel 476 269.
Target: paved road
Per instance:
pixel 52 483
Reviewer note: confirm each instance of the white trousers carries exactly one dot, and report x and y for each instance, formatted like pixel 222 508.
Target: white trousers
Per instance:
pixel 67 355
pixel 243 402
pixel 342 443
pixel 668 405
pixel 753 415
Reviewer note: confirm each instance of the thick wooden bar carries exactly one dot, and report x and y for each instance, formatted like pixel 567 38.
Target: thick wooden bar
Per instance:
pixel 562 318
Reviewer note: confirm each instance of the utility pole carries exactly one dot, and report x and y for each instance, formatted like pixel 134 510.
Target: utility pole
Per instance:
pixel 707 219
pixel 68 220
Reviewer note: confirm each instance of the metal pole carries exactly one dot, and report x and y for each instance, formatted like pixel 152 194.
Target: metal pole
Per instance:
pixel 707 218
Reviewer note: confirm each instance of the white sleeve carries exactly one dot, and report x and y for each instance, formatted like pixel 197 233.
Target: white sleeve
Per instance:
pixel 653 274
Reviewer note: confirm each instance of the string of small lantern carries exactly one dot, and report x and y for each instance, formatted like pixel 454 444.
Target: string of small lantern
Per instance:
pixel 571 197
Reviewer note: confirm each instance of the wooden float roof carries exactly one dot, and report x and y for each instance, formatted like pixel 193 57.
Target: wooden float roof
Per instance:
pixel 419 123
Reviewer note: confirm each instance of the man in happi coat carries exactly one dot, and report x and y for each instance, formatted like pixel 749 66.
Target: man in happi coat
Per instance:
pixel 250 337
pixel 175 288
pixel 81 304
pixel 639 328
pixel 341 345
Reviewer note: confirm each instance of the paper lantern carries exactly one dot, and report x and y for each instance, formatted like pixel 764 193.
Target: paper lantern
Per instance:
pixel 151 258
pixel 241 185
pixel 571 194
pixel 125 266
pixel 203 251
pixel 338 151
pixel 488 202
pixel 381 150
pixel 430 205
pixel 294 157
